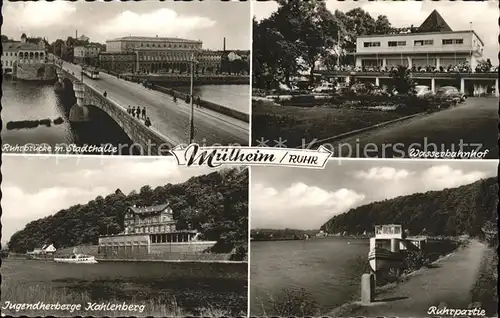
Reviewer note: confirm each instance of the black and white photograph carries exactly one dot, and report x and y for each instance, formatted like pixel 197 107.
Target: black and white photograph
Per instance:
pixel 124 78
pixel 106 236
pixel 377 79
pixel 375 238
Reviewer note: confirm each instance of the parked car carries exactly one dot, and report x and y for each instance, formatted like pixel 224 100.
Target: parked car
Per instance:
pixel 324 88
pixel 423 91
pixel 449 95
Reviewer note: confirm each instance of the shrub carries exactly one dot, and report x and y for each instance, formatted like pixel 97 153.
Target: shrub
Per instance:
pixel 295 303
pixel 415 260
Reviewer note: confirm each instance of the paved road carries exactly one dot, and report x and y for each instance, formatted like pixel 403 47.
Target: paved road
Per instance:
pixel 473 122
pixel 169 118
pixel 449 283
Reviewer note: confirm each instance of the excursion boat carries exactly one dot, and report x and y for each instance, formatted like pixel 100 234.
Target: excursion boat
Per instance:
pixel 75 258
pixel 385 247
pixel 380 258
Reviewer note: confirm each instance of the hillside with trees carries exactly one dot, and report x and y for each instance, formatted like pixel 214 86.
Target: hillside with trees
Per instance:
pixel 215 204
pixel 468 209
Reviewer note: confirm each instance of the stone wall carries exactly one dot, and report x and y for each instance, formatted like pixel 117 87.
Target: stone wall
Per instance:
pixel 148 140
pixel 180 247
pixel 206 104
pixel 35 72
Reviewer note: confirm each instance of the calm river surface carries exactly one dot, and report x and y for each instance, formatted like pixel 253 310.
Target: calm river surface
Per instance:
pixel 233 96
pixel 328 269
pixel 192 285
pixel 35 101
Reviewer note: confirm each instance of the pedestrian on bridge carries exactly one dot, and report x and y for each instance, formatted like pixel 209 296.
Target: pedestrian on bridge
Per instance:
pixel 105 94
pixel 144 113
pixel 147 122
pixel 129 109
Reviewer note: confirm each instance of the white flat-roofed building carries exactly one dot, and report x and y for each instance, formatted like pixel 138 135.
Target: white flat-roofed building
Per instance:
pixel 433 49
pixel 434 44
pixel 436 55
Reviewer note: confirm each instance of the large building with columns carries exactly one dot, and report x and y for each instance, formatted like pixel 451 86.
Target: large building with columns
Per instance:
pixel 139 54
pixel 17 53
pixel 151 230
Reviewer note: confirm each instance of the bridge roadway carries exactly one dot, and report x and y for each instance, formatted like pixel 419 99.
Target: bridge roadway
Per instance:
pixel 169 118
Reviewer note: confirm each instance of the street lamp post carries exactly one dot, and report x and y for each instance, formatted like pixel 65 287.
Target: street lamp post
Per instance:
pixel 191 119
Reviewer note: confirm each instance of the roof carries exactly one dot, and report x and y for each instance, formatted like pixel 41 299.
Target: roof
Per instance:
pixel 16 46
pixel 152 38
pixel 435 23
pixel 149 209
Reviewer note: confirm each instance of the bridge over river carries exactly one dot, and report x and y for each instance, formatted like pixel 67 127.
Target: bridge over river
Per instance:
pixel 170 120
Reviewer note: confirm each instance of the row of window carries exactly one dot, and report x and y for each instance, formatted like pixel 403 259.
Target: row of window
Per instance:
pixel 415 43
pixel 170 45
pixel 155 229
pixel 154 219
pixel 25 53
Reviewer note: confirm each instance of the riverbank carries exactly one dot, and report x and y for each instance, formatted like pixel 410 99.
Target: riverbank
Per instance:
pixel 434 285
pixel 173 261
pixel 20 294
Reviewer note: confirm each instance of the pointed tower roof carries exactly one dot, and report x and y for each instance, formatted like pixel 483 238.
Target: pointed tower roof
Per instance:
pixel 434 23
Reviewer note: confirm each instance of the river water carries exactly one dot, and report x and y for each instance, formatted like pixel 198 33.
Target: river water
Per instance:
pixel 35 101
pixel 233 96
pixel 192 285
pixel 328 269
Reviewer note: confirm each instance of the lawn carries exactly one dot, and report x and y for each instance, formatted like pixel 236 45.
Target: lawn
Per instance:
pixel 301 125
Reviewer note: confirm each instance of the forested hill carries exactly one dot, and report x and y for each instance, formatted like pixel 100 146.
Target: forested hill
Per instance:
pixel 450 212
pixel 216 204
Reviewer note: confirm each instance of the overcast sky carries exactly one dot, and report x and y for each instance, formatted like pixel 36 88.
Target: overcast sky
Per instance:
pixel 458 15
pixel 208 21
pixel 306 198
pixel 35 187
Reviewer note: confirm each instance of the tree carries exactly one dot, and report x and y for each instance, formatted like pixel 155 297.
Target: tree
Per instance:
pixel 6 39
pixel 382 25
pixel 402 81
pixel 356 22
pixel 274 57
pixel 311 26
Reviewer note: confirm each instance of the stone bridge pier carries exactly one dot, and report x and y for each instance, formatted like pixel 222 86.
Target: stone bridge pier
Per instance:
pixel 78 112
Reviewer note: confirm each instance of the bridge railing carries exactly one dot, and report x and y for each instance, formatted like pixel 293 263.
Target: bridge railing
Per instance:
pixel 153 128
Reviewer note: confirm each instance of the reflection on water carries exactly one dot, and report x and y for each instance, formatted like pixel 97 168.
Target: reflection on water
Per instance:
pixel 233 96
pixel 23 101
pixel 328 269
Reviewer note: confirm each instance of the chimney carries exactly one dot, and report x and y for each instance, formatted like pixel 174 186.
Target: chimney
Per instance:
pixel 224 45
pixel 76 34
